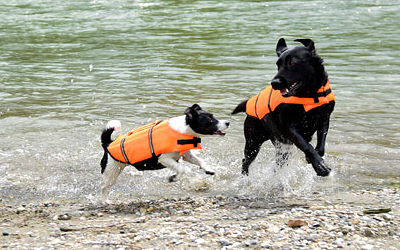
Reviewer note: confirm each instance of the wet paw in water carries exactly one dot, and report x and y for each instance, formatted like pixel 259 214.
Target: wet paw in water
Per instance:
pixel 173 178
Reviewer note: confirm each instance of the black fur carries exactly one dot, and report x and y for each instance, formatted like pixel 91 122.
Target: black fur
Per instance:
pixel 300 73
pixel 105 141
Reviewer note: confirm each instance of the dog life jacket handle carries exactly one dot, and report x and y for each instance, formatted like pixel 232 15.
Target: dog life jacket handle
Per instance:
pixel 193 141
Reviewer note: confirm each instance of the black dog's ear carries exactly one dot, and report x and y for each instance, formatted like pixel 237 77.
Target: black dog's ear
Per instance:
pixel 281 47
pixel 192 112
pixel 308 43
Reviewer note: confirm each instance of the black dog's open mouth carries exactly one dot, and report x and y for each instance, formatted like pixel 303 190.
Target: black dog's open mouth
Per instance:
pixel 291 90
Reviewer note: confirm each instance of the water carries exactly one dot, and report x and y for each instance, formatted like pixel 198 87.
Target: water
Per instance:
pixel 68 67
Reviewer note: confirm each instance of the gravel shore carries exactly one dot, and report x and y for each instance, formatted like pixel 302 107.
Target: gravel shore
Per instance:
pixel 348 221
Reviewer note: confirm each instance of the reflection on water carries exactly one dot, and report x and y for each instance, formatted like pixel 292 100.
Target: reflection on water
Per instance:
pixel 68 68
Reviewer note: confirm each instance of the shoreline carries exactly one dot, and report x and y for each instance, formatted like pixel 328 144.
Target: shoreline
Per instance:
pixel 217 222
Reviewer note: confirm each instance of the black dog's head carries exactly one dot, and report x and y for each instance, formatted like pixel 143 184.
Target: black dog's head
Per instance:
pixel 203 122
pixel 300 70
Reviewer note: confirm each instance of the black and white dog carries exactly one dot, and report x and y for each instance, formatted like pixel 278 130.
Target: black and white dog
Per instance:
pixel 162 143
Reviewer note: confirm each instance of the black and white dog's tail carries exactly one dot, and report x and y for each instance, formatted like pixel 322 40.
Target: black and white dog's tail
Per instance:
pixel 111 126
pixel 240 108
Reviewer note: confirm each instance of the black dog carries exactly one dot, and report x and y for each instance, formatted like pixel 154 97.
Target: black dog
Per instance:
pixel 298 103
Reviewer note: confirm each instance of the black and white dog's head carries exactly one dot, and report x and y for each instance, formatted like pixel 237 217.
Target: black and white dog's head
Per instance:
pixel 203 123
pixel 300 69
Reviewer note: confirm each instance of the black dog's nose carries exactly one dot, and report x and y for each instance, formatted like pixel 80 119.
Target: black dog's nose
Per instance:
pixel 278 83
pixel 227 124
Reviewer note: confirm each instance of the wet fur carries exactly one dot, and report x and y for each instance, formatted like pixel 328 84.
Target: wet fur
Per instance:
pixel 302 68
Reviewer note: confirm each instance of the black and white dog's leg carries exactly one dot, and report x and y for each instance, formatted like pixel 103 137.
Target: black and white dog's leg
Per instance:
pixel 170 160
pixel 110 176
pixel 189 156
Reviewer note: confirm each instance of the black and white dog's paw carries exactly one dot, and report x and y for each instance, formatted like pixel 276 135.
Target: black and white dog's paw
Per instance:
pixel 210 172
pixel 173 178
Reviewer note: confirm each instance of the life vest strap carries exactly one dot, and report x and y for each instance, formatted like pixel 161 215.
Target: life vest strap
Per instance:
pixel 123 150
pixel 324 93
pixel 151 139
pixel 194 141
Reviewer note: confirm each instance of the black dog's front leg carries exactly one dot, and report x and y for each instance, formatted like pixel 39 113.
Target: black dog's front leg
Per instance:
pixel 322 132
pixel 315 159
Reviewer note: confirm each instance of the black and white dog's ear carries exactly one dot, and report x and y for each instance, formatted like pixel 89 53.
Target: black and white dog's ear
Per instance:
pixel 307 43
pixel 192 112
pixel 281 47
pixel 196 107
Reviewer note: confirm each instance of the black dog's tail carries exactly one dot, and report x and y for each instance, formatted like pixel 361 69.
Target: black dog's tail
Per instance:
pixel 106 140
pixel 240 108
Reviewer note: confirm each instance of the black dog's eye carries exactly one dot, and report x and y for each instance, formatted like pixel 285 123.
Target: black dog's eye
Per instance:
pixel 292 64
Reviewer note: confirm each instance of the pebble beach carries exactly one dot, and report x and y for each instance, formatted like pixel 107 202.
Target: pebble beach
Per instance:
pixel 364 219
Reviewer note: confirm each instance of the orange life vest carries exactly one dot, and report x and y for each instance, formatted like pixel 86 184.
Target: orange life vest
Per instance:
pixel 149 141
pixel 267 100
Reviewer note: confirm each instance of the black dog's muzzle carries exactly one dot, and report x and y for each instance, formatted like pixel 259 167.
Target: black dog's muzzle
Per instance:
pixel 278 83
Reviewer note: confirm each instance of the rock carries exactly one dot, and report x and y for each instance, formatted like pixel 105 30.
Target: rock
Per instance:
pixel 339 242
pixel 6 233
pixel 367 247
pixel 387 217
pixel 317 208
pixel 67 229
pixel 273 229
pixel 368 232
pixel 296 223
pixel 201 241
pixel 62 217
pixel 224 242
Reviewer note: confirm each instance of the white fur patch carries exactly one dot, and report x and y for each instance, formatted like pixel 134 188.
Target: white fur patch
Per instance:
pixel 114 124
pixel 179 124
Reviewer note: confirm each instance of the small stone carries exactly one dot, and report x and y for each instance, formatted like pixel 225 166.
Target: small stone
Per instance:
pixel 368 233
pixel 224 242
pixel 273 229
pixel 201 241
pixel 316 207
pixel 367 247
pixel 355 221
pixel 6 233
pixel 67 229
pixel 387 217
pixel 296 223
pixel 339 242
pixel 266 244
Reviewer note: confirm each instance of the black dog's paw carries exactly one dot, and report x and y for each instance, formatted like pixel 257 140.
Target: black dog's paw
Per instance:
pixel 322 169
pixel 173 178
